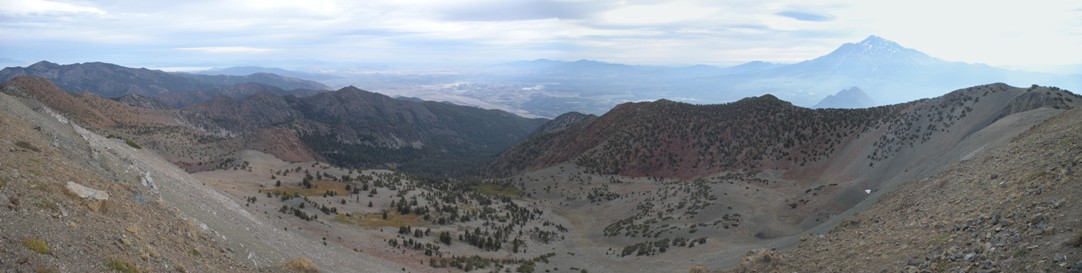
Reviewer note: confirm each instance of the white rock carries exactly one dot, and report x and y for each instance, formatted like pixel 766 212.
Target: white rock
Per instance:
pixel 85 192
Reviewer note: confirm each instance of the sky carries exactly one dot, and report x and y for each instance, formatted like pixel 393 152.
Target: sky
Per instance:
pixel 1035 34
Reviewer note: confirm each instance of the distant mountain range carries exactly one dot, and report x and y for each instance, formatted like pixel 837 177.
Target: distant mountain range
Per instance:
pixel 892 72
pixel 5 62
pixel 249 70
pixel 888 71
pixel 112 81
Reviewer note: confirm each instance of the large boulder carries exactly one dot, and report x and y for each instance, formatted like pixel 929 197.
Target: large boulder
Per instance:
pixel 95 199
pixel 86 192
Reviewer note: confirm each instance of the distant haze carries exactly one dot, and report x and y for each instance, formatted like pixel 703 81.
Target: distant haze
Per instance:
pixel 886 72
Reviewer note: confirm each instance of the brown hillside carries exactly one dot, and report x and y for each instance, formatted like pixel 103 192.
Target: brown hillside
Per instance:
pixel 678 140
pixel 179 139
pixel 48 93
pixel 356 128
pixel 349 127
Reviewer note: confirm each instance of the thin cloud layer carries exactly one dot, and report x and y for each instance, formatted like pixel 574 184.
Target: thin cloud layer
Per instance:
pixel 46 8
pixel 284 33
pixel 226 49
pixel 806 16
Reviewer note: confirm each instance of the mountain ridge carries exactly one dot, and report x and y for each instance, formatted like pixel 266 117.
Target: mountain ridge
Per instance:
pixel 112 81
pixel 852 97
pixel 350 127
pixel 594 139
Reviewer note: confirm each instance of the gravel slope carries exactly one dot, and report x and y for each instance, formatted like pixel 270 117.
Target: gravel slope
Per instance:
pixel 1009 209
pixel 158 218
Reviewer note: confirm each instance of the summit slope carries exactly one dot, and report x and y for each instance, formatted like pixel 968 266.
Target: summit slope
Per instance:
pixel 1009 209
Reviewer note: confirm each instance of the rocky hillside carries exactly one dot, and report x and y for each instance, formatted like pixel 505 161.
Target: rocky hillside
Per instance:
pixel 768 172
pixel 349 127
pixel 678 140
pixel 111 81
pixel 162 130
pixel 74 201
pixel 356 128
pixel 1009 209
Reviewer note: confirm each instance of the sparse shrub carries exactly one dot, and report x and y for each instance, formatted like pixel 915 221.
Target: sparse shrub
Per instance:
pixel 699 269
pixel 37 245
pixel 27 145
pixel 121 265
pixel 45 204
pixel 132 144
pixel 527 267
pixel 303 265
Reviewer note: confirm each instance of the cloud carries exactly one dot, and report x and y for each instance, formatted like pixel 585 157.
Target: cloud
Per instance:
pixel 660 13
pixel 806 16
pixel 272 32
pixel 523 10
pixel 43 7
pixel 226 49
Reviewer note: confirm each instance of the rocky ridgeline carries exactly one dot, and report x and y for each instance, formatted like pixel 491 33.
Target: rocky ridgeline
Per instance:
pixel 678 140
pixel 112 81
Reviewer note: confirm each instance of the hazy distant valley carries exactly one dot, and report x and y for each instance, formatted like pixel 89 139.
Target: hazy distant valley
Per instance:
pixel 888 72
pixel 543 166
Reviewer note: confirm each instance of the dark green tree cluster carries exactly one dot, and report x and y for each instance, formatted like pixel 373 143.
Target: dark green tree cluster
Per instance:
pixel 651 248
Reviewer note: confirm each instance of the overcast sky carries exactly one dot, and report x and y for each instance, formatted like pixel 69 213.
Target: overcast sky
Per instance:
pixel 292 33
